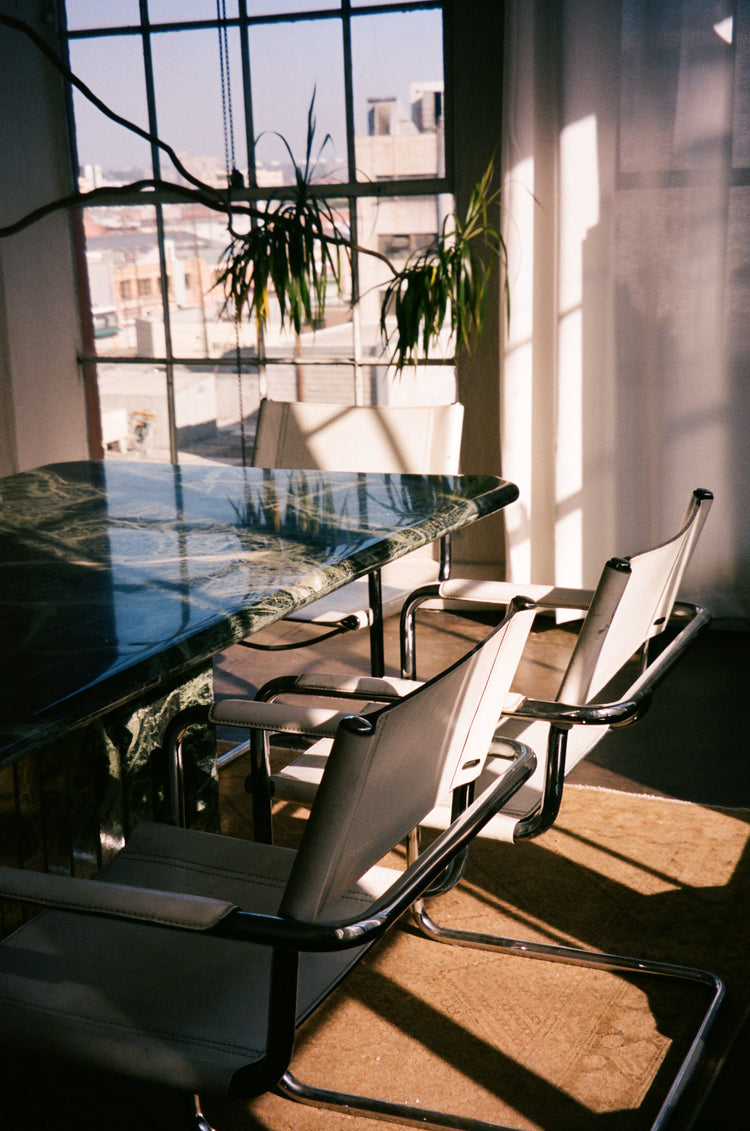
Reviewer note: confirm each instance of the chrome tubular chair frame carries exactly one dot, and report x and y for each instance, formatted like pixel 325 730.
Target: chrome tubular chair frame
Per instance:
pixel 192 958
pixel 688 620
pixel 620 713
pixel 613 963
pixel 424 873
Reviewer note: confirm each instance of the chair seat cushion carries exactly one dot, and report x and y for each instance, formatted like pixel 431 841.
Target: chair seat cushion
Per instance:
pixel 175 1007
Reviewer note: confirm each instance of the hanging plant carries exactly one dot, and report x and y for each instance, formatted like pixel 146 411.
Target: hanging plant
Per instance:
pixel 447 282
pixel 293 249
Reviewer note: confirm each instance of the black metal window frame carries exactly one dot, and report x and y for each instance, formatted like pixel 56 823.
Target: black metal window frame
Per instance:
pixel 348 191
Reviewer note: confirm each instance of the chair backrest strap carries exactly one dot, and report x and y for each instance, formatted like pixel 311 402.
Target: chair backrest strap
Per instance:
pixel 632 603
pixel 420 440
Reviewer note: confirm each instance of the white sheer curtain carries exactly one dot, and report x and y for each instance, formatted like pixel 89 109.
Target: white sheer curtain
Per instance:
pixel 627 214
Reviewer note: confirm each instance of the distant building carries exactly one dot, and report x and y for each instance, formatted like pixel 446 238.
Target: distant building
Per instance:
pixel 398 145
pixel 426 101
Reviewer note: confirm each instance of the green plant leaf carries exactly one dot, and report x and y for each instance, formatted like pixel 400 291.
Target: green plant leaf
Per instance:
pixel 446 284
pixel 293 251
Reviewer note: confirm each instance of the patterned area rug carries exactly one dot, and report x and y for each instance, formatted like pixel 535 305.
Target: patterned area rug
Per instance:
pixel 541 1045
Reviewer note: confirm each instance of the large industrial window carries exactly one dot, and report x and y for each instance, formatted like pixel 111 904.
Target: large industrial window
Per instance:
pixel 228 85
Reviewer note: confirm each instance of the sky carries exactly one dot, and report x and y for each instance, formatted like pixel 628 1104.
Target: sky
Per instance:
pixel 288 63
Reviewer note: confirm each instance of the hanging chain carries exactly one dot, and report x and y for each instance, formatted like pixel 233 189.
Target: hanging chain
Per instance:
pixel 240 394
pixel 226 90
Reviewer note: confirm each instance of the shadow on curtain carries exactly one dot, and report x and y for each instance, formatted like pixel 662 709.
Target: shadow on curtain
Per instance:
pixel 627 361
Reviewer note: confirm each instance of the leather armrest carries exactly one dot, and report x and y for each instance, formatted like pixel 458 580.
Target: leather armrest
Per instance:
pixel 318 722
pixel 502 592
pixel 70 893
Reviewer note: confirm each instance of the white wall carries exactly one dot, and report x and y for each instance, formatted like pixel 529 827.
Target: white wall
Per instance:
pixel 42 403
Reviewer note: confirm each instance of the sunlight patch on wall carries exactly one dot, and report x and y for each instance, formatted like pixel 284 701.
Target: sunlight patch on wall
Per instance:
pixel 518 370
pixel 579 213
pixel 725 29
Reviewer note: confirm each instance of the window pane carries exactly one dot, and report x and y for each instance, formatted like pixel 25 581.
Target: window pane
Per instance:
pixel 195 239
pixel 112 67
pixel 398 227
pixel 311 378
pixel 102 13
pixel 134 411
pixel 208 406
pixel 167 11
pixel 395 227
pixel 187 86
pixel 281 7
pixel 289 64
pixel 124 280
pixel 397 65
pixel 83 14
pixel 323 368
pixel 209 403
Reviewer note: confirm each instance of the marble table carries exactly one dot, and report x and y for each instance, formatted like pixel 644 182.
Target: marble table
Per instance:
pixel 120 580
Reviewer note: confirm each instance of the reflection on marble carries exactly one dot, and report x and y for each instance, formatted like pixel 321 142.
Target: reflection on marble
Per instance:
pixel 118 578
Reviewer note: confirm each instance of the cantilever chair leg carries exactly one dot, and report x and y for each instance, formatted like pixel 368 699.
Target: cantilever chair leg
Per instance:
pixel 405 1114
pixel 413 1116
pixel 174 768
pixel 259 775
pixel 613 963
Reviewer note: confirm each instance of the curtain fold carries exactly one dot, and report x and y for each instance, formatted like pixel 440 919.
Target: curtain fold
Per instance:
pixel 626 187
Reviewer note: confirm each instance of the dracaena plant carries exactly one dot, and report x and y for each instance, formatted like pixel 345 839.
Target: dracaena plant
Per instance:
pixel 292 250
pixel 296 249
pixel 447 283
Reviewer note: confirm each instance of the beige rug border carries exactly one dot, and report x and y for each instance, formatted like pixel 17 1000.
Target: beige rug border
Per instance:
pixel 583 787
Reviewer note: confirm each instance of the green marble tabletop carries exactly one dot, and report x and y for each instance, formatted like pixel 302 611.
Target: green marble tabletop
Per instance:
pixel 116 576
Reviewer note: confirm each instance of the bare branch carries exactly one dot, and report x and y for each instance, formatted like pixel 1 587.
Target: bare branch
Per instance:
pixel 57 62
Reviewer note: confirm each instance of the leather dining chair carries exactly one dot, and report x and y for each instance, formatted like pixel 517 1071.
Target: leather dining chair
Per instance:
pixel 632 632
pixel 192 958
pixel 611 675
pixel 392 439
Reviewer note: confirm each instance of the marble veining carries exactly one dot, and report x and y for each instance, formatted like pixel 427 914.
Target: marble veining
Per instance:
pixel 118 576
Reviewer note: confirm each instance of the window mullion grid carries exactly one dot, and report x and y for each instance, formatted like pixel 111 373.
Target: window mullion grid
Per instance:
pixel 349 192
pixel 163 277
pixel 351 159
